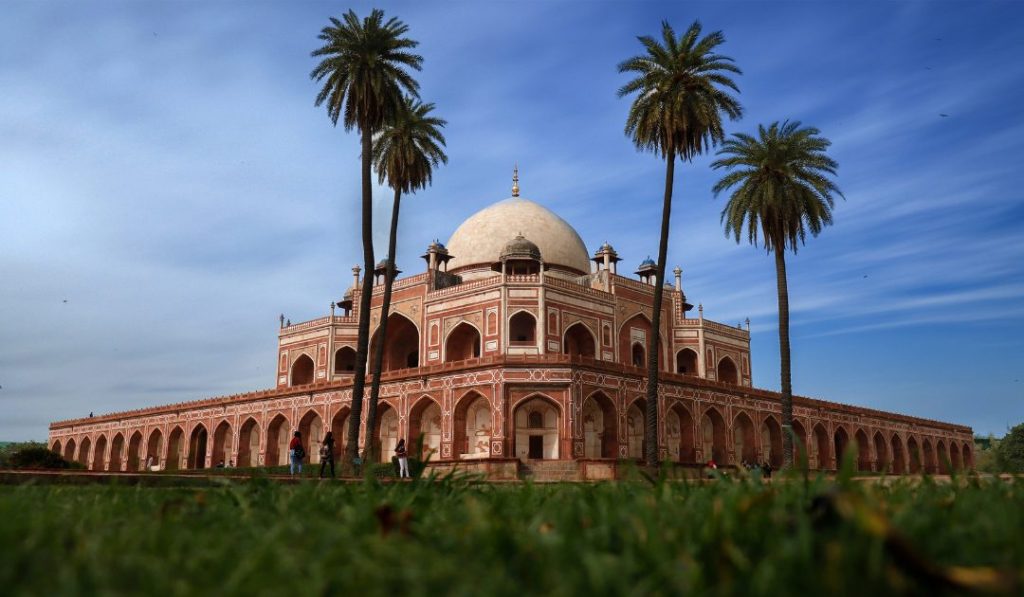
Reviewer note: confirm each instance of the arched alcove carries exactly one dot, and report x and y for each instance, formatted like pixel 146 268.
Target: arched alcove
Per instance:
pixel 771 442
pixel 402 347
pixel 686 362
pixel 425 426
pixel 881 453
pixel 578 341
pixel 863 450
pixel 278 438
pixel 636 427
pixel 116 453
pixel 743 439
pixel 727 372
pixel 473 426
pixel 302 371
pixel 463 343
pixel 679 434
pixel 222 447
pixel 175 447
pixel 99 454
pixel 537 429
pixel 345 360
pixel 712 427
pixel 197 447
pixel 522 329
pixel 248 444
pixel 600 432
pixel 311 426
pixel 134 452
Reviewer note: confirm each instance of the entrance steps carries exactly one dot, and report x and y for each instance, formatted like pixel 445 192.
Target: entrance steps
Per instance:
pixel 549 470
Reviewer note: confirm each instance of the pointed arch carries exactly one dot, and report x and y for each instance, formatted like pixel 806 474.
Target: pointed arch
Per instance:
pixel 579 341
pixel 679 433
pixel 345 361
pixel 863 450
pixel 402 345
pixel 712 429
pixel 83 451
pixel 278 436
pixel 99 454
pixel 302 371
pixel 820 447
pixel 899 457
pixel 462 343
pixel 538 423
pixel 801 447
pixel 913 455
pixel 686 362
pixel 968 457
pixel 69 449
pixel 771 442
pixel 154 447
pixel 116 452
pixel 881 453
pixel 56 447
pixel 175 448
pixel 942 456
pixel 387 432
pixel 841 443
pixel 311 427
pixel 248 444
pixel 134 451
pixel 727 371
pixel 425 425
pixel 638 329
pixel 744 448
pixel 930 465
pixel 222 444
pixel 472 425
pixel 636 428
pixel 197 447
pixel 522 328
pixel 600 428
pixel 339 429
pixel 954 456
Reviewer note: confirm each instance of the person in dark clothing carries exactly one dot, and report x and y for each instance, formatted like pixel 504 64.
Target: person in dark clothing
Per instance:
pixel 403 459
pixel 296 453
pixel 327 454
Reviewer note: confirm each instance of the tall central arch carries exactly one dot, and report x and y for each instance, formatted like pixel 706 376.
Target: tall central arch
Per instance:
pixel 401 346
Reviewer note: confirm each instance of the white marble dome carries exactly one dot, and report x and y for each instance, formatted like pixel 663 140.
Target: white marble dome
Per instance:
pixel 481 238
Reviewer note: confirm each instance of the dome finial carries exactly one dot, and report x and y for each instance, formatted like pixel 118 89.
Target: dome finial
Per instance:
pixel 515 180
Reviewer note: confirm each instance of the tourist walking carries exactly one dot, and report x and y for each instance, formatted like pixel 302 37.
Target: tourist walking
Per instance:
pixel 296 453
pixel 327 454
pixel 403 459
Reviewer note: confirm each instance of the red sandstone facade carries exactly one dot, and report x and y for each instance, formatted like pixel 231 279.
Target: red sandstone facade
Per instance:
pixel 510 358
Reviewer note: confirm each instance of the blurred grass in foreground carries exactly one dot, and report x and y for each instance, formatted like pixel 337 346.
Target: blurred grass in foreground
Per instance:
pixel 454 536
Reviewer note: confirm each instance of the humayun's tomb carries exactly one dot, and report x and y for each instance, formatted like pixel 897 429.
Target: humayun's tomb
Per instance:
pixel 516 351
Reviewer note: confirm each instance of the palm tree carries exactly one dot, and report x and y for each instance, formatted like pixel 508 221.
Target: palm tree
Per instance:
pixel 405 153
pixel 782 191
pixel 363 70
pixel 682 89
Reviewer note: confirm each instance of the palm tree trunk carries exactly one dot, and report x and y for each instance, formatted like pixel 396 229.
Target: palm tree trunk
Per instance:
pixel 651 410
pixel 382 330
pixel 359 379
pixel 784 362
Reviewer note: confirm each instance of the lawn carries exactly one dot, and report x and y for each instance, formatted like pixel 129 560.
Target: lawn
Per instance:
pixel 453 536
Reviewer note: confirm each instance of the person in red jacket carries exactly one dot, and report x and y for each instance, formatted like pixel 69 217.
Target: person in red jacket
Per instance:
pixel 296 453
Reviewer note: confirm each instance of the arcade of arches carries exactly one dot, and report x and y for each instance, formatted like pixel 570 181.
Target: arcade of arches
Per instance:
pixel 608 428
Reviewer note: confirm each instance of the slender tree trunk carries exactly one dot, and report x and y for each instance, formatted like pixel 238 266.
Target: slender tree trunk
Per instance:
pixel 651 414
pixel 784 364
pixel 359 379
pixel 382 330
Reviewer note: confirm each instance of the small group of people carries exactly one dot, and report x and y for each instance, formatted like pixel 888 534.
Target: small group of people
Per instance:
pixel 765 468
pixel 297 453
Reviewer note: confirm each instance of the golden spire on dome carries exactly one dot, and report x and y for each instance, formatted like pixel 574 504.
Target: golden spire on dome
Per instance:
pixel 515 180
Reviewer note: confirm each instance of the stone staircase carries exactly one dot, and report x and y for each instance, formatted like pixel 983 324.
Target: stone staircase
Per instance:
pixel 549 470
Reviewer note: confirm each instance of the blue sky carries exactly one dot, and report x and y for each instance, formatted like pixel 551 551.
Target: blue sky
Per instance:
pixel 164 171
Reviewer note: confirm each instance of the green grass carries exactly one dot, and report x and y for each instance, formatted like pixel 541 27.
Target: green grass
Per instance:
pixel 452 536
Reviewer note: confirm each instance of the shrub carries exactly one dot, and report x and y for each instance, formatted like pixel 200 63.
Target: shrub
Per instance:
pixel 40 457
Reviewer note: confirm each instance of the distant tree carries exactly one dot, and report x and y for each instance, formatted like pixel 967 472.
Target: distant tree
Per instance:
pixel 782 192
pixel 405 154
pixel 363 70
pixel 1010 453
pixel 682 90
